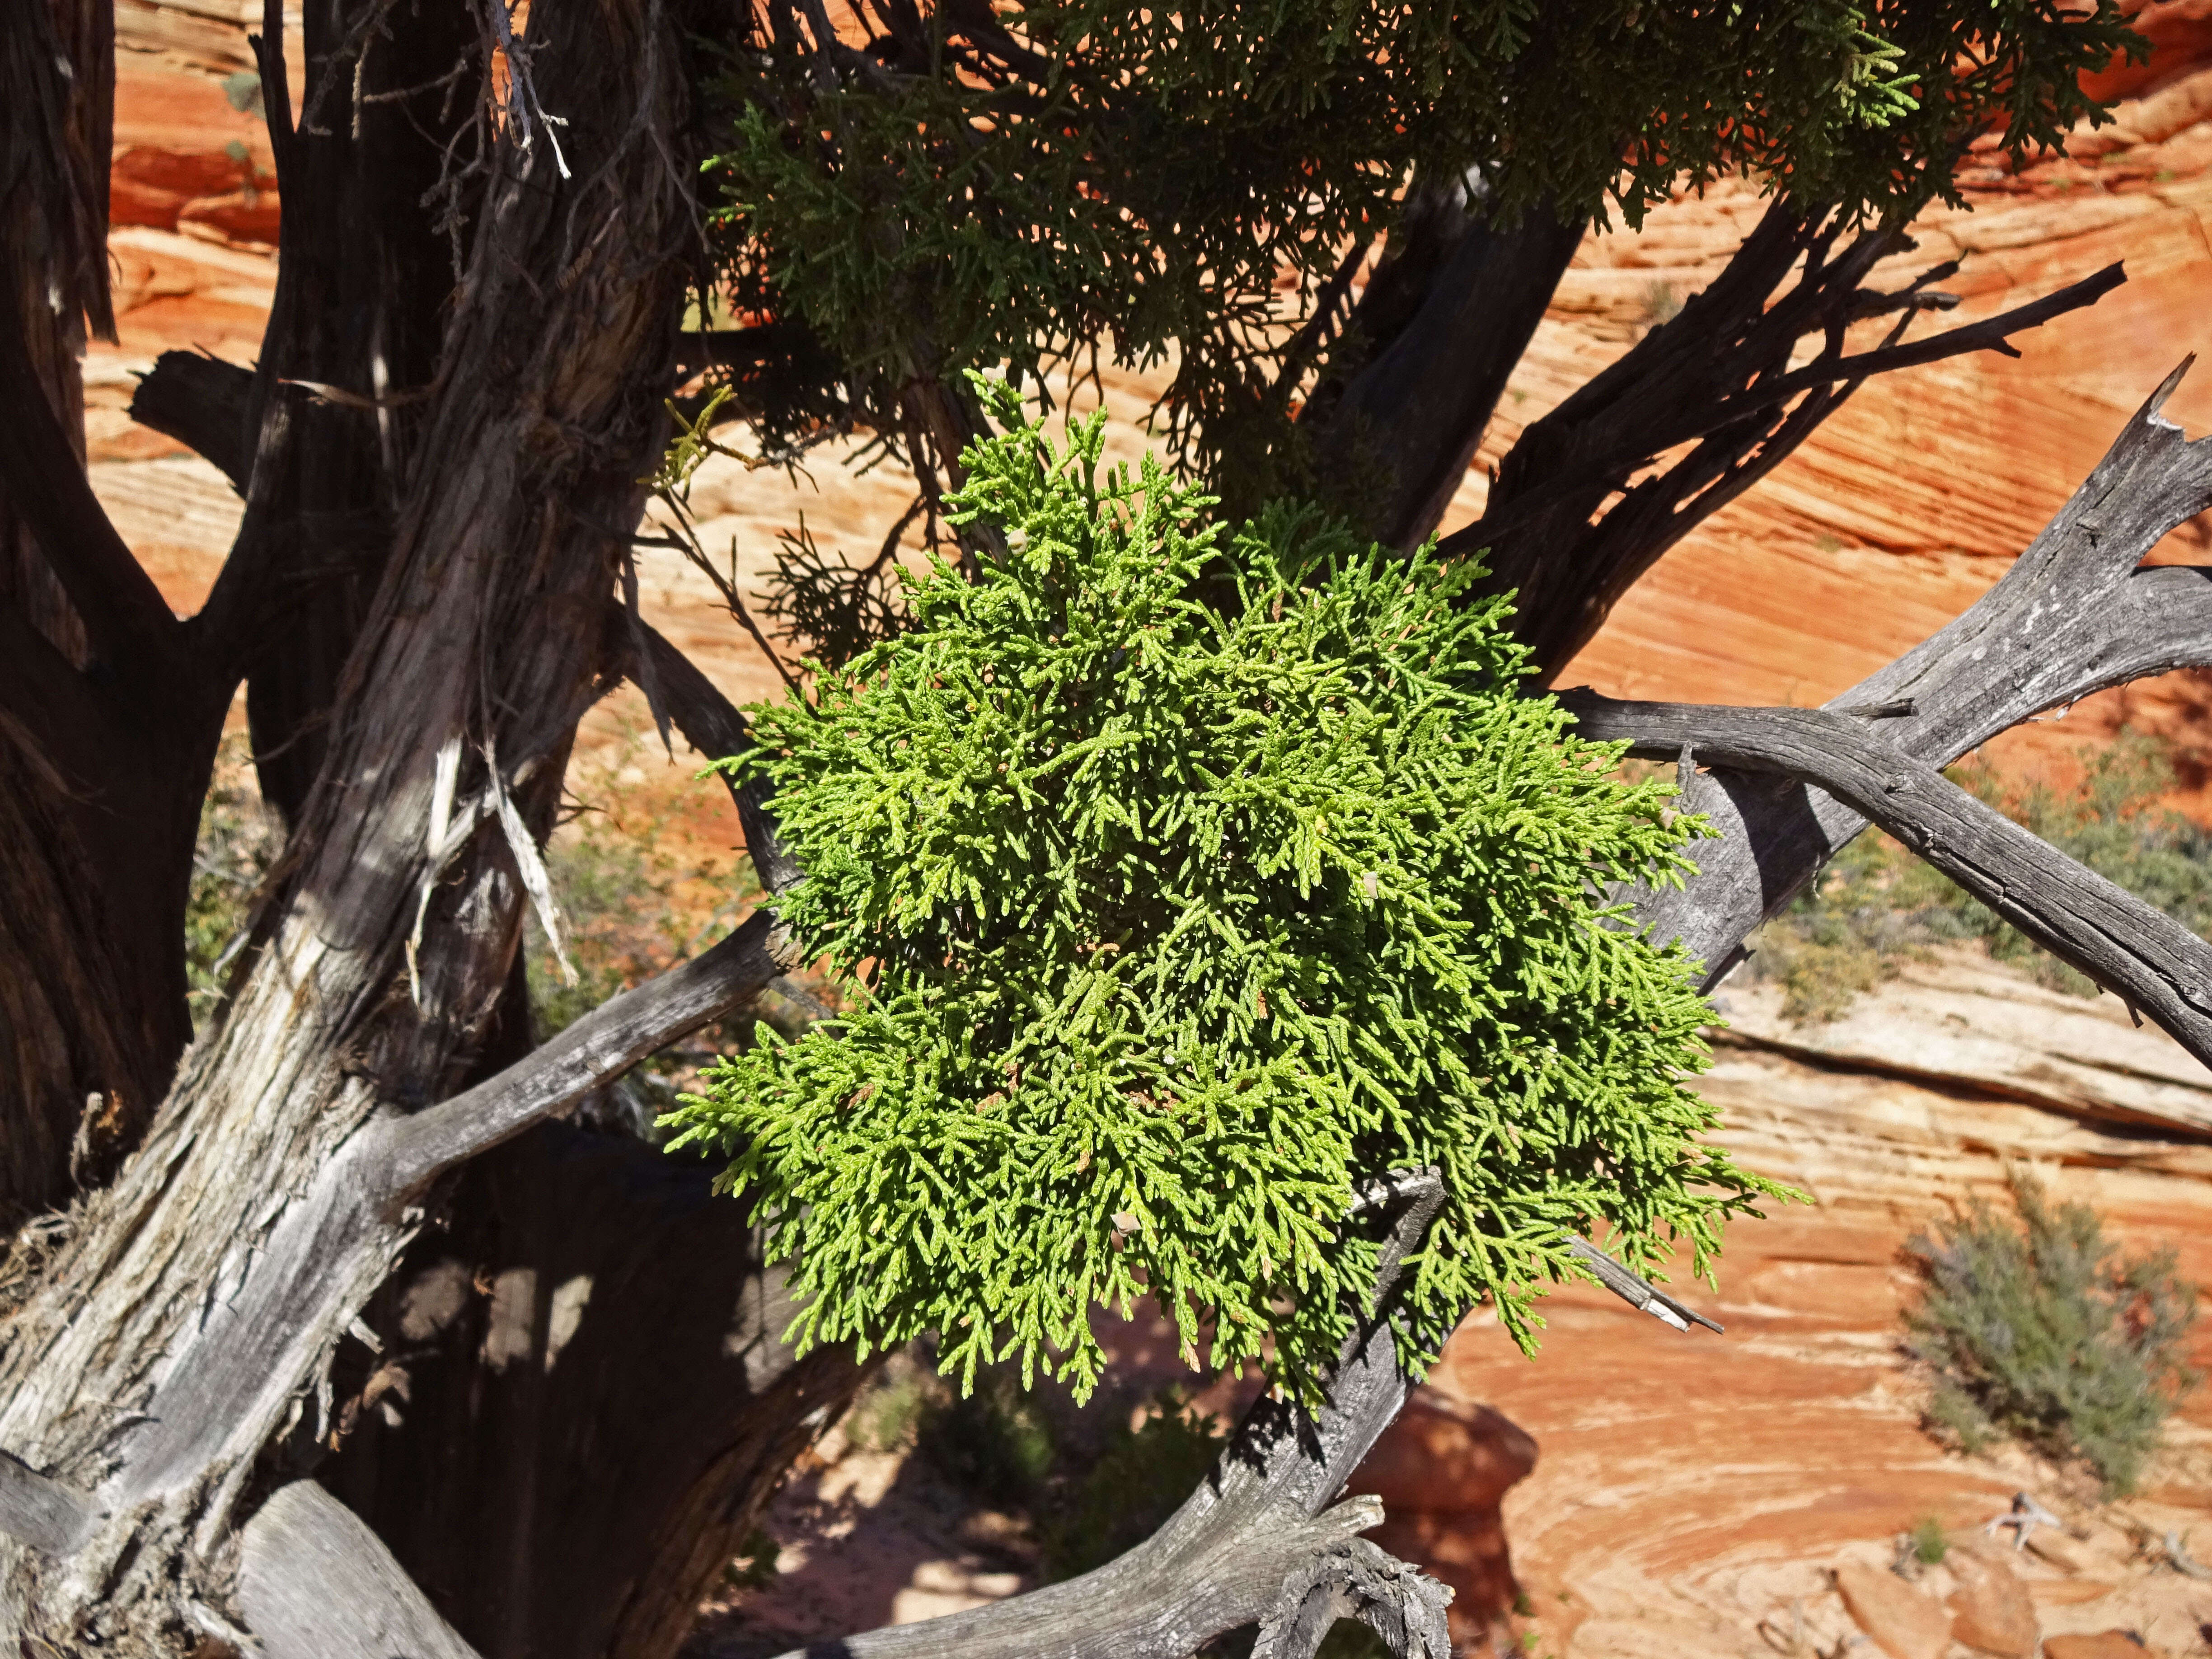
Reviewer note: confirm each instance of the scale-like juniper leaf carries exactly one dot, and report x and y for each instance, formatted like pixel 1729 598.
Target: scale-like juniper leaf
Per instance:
pixel 1271 877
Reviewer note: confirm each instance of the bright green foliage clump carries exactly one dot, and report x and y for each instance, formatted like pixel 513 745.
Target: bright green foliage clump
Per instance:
pixel 1177 920
pixel 2045 1334
pixel 1092 176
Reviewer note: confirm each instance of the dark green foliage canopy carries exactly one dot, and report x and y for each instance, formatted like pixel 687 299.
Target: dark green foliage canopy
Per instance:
pixel 1176 920
pixel 1074 176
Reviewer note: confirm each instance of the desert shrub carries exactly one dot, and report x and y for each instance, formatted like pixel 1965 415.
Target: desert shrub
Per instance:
pixel 884 1416
pixel 2044 1332
pixel 1175 920
pixel 994 1442
pixel 1138 1478
pixel 240 838
pixel 1877 907
pixel 1930 1542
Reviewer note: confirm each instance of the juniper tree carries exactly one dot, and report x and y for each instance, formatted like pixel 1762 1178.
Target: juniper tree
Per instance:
pixel 243 1279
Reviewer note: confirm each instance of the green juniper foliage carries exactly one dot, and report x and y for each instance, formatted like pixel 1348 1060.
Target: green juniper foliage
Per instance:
pixel 1139 182
pixel 1176 920
pixel 2045 1334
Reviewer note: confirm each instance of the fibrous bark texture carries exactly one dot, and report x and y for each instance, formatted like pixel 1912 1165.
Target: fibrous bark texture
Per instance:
pixel 91 1008
pixel 188 1320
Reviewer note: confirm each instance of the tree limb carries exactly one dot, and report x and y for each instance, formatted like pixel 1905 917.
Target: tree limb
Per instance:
pixel 202 403
pixel 130 624
pixel 1989 334
pixel 408 1152
pixel 714 727
pixel 1412 416
pixel 1632 450
pixel 2073 616
pixel 53 714
pixel 1569 528
pixel 1358 1580
pixel 314 1582
pixel 2087 921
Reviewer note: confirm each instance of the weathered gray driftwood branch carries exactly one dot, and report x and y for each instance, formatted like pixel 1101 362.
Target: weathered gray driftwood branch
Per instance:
pixel 2107 932
pixel 41 1511
pixel 314 1582
pixel 408 1152
pixel 1253 1543
pixel 226 1391
pixel 2074 614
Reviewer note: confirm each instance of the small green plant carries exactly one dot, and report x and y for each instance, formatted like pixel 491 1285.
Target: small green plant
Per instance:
pixel 886 1416
pixel 239 839
pixel 755 1564
pixel 1140 1476
pixel 1930 1543
pixel 993 1442
pixel 2045 1334
pixel 1171 921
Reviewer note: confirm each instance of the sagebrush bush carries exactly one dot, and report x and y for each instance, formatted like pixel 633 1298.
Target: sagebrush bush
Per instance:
pixel 2046 1334
pixel 1175 920
pixel 1138 1479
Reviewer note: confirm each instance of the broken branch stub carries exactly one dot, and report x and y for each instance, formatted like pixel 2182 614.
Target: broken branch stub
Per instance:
pixel 1357 1579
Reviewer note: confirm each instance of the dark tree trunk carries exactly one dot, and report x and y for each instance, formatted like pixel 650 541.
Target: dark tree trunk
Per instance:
pixel 1435 336
pixel 597 1394
pixel 478 1478
pixel 96 776
pixel 464 615
pixel 364 274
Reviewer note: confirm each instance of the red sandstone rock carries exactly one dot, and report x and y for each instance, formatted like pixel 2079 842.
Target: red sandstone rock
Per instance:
pixel 1904 1623
pixel 2103 1644
pixel 1991 1609
pixel 1441 1470
pixel 237 217
pixel 1444 1454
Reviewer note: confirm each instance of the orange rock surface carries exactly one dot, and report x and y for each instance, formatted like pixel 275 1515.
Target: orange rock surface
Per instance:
pixel 1993 1611
pixel 2103 1644
pixel 1442 1472
pixel 1904 1623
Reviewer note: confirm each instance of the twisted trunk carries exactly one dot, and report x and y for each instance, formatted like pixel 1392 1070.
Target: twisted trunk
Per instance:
pixel 174 1358
pixel 92 988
